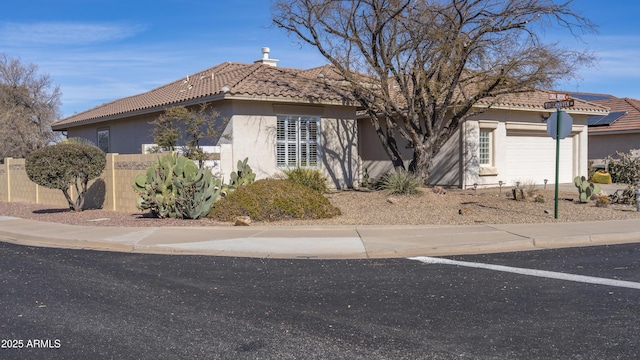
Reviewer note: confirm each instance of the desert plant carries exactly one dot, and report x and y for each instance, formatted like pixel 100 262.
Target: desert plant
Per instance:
pixel 625 169
pixel 312 178
pixel 601 177
pixel 62 166
pixel 602 201
pixel 272 200
pixel 399 183
pixel 173 186
pixel 586 189
pixel 242 176
pixel 626 196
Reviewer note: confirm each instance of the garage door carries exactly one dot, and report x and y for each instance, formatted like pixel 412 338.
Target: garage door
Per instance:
pixel 533 159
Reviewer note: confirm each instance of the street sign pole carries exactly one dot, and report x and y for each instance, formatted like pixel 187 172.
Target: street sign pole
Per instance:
pixel 559 101
pixel 555 206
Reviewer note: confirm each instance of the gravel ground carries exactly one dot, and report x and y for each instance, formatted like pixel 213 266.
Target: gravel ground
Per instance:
pixel 455 207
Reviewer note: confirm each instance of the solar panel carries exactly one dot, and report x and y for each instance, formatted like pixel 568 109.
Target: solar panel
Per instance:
pixel 605 120
pixel 590 97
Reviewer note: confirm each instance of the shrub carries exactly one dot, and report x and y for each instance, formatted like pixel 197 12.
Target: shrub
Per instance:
pixel 400 183
pixel 625 169
pixel 312 178
pixel 63 165
pixel 272 200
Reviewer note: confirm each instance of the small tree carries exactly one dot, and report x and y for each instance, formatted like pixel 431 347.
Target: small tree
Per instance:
pixel 198 124
pixel 166 132
pixel 63 165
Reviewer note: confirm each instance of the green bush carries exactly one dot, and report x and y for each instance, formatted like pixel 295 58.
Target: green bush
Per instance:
pixel 64 165
pixel 273 200
pixel 399 183
pixel 312 178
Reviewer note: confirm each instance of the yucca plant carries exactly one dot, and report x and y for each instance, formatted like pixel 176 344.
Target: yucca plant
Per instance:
pixel 311 178
pixel 399 183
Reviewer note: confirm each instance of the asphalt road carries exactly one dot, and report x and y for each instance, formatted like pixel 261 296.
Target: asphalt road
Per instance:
pixel 70 304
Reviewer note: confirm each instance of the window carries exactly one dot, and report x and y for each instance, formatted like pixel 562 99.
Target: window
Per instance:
pixel 484 145
pixel 298 141
pixel 103 140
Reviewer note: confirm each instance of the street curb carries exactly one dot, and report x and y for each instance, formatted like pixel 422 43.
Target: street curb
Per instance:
pixel 586 240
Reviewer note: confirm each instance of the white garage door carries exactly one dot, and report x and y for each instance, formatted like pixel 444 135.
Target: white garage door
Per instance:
pixel 533 159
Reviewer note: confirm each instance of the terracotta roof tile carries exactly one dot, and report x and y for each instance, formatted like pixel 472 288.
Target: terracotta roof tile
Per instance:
pixel 627 122
pixel 237 79
pixel 535 100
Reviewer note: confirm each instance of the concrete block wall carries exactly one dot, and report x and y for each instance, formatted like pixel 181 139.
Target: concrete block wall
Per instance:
pixel 112 190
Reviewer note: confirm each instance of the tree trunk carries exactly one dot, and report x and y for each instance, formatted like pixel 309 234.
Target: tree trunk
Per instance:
pixel 421 163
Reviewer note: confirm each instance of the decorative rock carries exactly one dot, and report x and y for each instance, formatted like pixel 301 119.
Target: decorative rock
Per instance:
pixel 242 221
pixel 518 194
pixel 439 190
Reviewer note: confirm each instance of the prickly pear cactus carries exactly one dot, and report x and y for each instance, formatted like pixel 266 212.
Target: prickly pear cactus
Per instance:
pixel 173 186
pixel 243 176
pixel 156 189
pixel 586 189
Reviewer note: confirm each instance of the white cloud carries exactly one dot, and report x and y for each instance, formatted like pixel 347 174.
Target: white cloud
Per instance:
pixel 65 33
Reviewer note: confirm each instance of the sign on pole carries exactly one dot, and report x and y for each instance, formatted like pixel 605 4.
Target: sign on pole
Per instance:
pixel 566 124
pixel 560 124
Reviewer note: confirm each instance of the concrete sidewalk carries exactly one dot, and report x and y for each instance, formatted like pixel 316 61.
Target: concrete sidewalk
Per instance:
pixel 326 242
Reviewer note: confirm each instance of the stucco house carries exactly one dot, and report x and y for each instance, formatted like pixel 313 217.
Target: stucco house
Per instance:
pixel 282 118
pixel 618 131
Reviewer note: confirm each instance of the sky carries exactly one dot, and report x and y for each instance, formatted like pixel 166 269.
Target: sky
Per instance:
pixel 102 50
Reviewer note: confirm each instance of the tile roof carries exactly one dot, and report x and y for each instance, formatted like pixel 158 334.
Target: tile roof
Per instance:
pixel 534 100
pixel 627 121
pixel 320 85
pixel 227 80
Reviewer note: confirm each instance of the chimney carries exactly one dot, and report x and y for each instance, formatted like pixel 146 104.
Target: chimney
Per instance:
pixel 265 58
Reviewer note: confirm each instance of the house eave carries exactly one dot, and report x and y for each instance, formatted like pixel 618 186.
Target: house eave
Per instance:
pixel 540 109
pixel 196 101
pixel 137 112
pixel 295 100
pixel 614 132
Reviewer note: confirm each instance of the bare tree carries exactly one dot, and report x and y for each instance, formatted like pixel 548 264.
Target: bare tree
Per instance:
pixel 29 104
pixel 420 68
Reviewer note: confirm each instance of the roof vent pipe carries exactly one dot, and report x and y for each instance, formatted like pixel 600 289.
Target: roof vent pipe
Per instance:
pixel 265 58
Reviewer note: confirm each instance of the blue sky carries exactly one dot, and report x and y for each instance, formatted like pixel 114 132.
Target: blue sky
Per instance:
pixel 101 50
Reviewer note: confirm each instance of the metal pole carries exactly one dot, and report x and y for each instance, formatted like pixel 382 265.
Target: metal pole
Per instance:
pixel 555 207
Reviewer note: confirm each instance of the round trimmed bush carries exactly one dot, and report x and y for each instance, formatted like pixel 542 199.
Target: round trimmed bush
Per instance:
pixel 62 166
pixel 273 200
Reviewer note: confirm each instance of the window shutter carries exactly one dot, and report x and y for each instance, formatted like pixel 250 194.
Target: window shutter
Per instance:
pixel 297 141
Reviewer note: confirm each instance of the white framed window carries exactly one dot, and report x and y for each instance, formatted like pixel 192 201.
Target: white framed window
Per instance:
pixel 298 141
pixel 484 146
pixel 103 139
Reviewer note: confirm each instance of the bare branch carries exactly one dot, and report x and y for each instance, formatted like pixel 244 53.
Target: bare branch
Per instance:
pixel 420 67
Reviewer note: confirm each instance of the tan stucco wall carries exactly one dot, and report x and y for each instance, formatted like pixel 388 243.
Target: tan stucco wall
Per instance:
pixel 457 163
pixel 253 132
pixel 601 146
pixel 250 130
pixel 126 136
pixel 374 160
